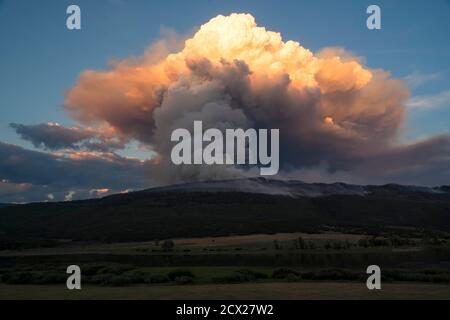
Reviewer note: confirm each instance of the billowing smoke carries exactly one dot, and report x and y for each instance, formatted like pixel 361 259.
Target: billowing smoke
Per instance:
pixel 331 110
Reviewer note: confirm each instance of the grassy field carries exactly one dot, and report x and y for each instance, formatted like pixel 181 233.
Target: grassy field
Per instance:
pixel 258 291
pixel 327 265
pixel 322 250
pixel 255 242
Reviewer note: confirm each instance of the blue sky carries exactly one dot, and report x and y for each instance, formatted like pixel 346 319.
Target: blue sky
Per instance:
pixel 40 58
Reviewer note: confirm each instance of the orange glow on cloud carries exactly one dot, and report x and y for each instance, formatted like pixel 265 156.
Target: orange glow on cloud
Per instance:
pixel 235 72
pixel 124 95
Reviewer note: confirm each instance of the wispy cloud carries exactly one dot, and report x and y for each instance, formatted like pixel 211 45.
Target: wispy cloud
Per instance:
pixel 417 79
pixel 426 102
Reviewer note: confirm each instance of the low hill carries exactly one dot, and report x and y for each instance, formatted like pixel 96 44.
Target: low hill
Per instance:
pixel 242 206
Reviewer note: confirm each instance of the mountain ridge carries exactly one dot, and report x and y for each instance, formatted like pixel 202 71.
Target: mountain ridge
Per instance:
pixel 291 187
pixel 270 186
pixel 201 210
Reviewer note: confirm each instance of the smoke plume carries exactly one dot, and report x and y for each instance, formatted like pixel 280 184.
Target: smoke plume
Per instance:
pixel 331 109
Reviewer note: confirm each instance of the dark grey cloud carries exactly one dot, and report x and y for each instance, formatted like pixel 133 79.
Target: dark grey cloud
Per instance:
pixel 52 136
pixel 426 163
pixel 29 175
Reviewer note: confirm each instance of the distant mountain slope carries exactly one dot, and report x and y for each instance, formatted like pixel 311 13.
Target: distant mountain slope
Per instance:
pixel 227 207
pixel 292 188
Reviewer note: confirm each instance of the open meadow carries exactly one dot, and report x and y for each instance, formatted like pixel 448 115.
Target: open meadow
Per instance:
pixel 327 265
pixel 251 291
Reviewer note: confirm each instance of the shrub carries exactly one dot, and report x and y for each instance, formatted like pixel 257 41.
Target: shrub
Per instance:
pixel 243 275
pixel 168 245
pixel 29 277
pixel 183 280
pixel 276 244
pixel 293 278
pixel 157 278
pixel 283 273
pixel 180 273
pixel 136 276
pixel 251 275
pixel 311 245
pixel 50 278
pixel 101 279
pixel 363 243
pixel 91 269
pixel 234 277
pixel 22 277
pixel 302 243
pixel 333 274
pixel 120 280
pixel 115 269
pixel 108 279
pixel 424 276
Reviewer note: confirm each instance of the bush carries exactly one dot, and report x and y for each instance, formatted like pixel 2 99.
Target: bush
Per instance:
pixel 91 269
pixel 363 243
pixel 243 275
pixel 424 276
pixel 101 279
pixel 21 277
pixel 168 245
pixel 117 269
pixel 251 275
pixel 283 273
pixel 109 279
pixel 293 278
pixel 234 277
pixel 180 273
pixel 157 278
pixel 183 280
pixel 332 274
pixel 50 278
pixel 136 276
pixel 30 277
pixel 120 281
